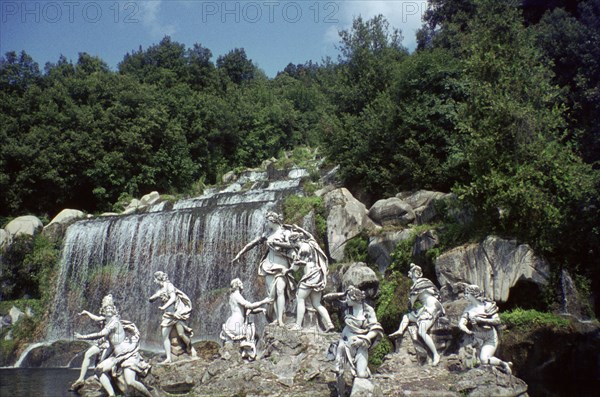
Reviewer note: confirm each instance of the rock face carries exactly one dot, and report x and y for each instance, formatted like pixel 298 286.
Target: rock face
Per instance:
pixel 495 265
pixel 401 374
pixel 346 218
pixel 362 277
pixel 571 301
pixel 67 216
pixel 4 238
pixel 57 227
pixel 27 225
pixel 382 245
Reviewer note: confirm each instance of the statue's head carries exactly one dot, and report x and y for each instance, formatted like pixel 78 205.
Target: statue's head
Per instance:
pixel 107 300
pixel 274 217
pixel 109 310
pixel 161 276
pixel 415 271
pixel 355 294
pixel 236 283
pixel 474 291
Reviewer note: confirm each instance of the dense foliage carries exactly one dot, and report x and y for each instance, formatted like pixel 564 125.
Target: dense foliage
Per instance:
pixel 499 103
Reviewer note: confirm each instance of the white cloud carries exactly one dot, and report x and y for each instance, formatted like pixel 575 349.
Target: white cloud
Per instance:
pixel 401 14
pixel 150 17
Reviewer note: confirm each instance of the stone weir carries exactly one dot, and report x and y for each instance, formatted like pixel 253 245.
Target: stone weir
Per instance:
pixel 193 243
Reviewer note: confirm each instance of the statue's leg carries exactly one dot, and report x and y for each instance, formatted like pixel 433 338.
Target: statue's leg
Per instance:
pixel 102 371
pixel 280 302
pixel 361 361
pixel 167 343
pixel 424 326
pixel 403 324
pixel 301 296
pixel 130 380
pixel 315 298
pixel 186 339
pixel 87 359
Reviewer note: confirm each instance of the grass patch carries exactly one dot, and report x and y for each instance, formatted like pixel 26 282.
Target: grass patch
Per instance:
pixel 530 319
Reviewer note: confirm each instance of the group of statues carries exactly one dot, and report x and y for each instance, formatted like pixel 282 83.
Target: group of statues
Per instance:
pixel 479 319
pixel 289 248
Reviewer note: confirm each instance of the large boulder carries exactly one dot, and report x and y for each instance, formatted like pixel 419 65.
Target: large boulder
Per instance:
pixel 346 218
pixel 423 203
pixel 27 225
pixel 57 227
pixel 150 199
pixel 382 245
pixel 392 212
pixel 495 265
pixel 362 277
pixel 67 216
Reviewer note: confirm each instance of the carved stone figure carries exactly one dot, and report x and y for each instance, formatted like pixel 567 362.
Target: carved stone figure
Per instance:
pixel 176 311
pixel 361 332
pixel 100 349
pixel 312 283
pixel 280 240
pixel 480 319
pixel 124 363
pixel 425 316
pixel 238 327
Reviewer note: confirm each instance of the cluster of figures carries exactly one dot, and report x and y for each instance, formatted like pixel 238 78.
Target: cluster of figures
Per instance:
pixel 116 347
pixel 289 248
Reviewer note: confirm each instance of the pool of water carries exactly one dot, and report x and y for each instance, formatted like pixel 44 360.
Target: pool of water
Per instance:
pixel 37 382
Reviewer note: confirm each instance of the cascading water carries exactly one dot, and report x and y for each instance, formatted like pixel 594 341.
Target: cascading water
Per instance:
pixel 193 243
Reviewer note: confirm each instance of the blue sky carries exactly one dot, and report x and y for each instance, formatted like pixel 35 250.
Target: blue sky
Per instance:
pixel 273 32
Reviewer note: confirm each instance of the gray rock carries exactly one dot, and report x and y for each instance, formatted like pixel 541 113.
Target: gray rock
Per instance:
pixel 362 277
pixel 495 265
pixel 392 212
pixel 425 241
pixel 150 199
pixel 67 216
pixel 365 388
pixel 15 314
pixel 383 244
pixel 423 203
pixel 346 218
pixel 228 177
pixel 27 225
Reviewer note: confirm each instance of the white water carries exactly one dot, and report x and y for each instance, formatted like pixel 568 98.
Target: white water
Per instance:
pixel 27 350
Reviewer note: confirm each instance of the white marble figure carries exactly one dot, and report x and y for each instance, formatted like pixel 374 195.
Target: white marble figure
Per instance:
pixel 360 333
pixel 280 241
pixel 482 317
pixel 312 283
pixel 124 363
pixel 176 309
pixel 238 327
pixel 100 348
pixel 425 316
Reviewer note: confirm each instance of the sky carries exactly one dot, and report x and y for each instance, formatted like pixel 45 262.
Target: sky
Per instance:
pixel 272 32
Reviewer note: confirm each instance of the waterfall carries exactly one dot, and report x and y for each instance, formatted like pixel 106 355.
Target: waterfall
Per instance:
pixel 193 243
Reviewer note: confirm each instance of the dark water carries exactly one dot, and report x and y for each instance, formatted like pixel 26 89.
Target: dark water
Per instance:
pixel 37 382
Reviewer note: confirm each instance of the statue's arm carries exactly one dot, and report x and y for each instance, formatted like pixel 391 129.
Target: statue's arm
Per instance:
pixel 172 299
pixel 247 248
pixel 493 320
pixel 92 316
pixel 97 335
pixel 462 324
pixel 155 296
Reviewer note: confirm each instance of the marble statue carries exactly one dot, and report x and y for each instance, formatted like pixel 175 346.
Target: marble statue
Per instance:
pixel 480 319
pixel 312 283
pixel 124 363
pixel 238 327
pixel 361 332
pixel 176 309
pixel 424 315
pixel 281 241
pixel 100 349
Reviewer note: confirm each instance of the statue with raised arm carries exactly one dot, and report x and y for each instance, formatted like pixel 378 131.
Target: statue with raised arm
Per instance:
pixel 238 327
pixel 312 283
pixel 480 319
pixel 425 316
pixel 124 363
pixel 100 349
pixel 274 265
pixel 361 332
pixel 176 309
